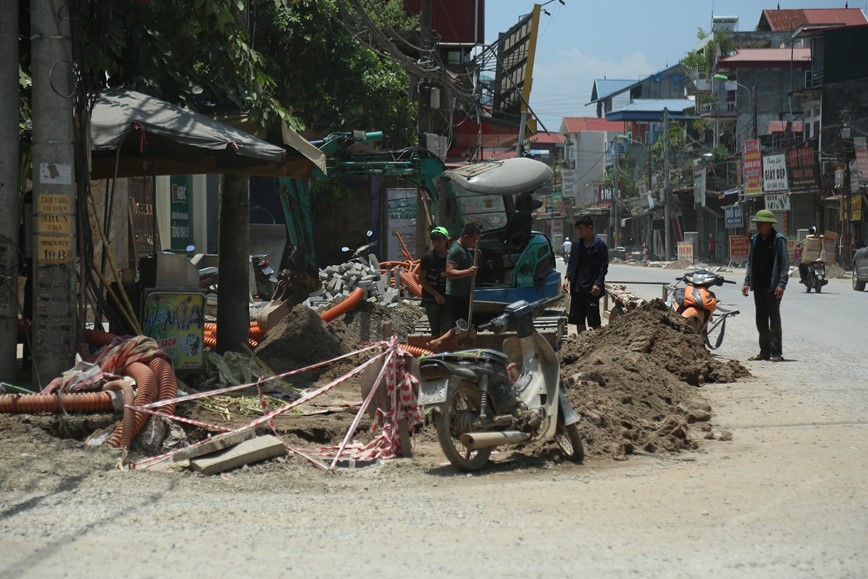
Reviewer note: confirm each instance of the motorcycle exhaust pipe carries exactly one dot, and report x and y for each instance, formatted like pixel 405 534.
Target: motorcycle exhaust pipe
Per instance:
pixel 477 440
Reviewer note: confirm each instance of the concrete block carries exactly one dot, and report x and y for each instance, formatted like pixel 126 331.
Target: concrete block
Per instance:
pixel 248 452
pixel 216 443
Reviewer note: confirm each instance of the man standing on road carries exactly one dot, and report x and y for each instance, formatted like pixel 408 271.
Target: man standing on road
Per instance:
pixel 585 279
pixel 432 277
pixel 767 274
pixel 460 271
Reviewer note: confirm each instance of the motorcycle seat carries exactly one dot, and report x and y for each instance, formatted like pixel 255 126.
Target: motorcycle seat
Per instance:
pixel 453 368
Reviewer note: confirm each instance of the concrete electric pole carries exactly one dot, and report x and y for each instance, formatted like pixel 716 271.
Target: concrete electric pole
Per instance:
pixel 9 188
pixel 55 319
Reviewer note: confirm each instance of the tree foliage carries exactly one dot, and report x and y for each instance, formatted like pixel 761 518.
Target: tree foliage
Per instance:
pixel 274 59
pixel 703 60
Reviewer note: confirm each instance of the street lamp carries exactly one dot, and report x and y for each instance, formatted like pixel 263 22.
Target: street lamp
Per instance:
pixel 751 91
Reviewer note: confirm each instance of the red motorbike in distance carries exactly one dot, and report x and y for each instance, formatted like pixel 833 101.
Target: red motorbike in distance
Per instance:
pixel 699 305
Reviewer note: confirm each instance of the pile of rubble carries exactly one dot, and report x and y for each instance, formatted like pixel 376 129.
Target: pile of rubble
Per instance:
pixel 339 280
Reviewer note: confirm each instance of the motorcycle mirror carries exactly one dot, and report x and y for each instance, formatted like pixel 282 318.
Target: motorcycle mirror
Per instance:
pixel 370 232
pixel 190 248
pixel 345 249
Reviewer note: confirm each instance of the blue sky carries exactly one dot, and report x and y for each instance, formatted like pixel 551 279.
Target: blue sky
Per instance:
pixel 588 39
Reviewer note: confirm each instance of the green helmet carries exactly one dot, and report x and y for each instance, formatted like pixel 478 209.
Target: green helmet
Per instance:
pixel 764 216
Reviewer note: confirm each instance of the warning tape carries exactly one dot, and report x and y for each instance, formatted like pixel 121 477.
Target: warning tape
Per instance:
pixel 150 461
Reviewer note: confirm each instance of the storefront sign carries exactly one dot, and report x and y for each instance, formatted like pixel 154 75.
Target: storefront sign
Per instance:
pixel 739 248
pixel 604 195
pixel 176 320
pixel 734 216
pixel 802 166
pixel 775 173
pixel 778 202
pixel 753 167
pixel 859 143
pixel 181 205
pixel 685 251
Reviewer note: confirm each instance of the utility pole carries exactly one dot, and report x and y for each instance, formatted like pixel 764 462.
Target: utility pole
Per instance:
pixel 9 186
pixel 667 193
pixel 55 316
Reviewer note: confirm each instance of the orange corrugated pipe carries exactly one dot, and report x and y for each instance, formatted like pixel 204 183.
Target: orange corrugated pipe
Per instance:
pixel 410 281
pixel 210 341
pixel 77 402
pixel 416 350
pixel 348 304
pixel 97 338
pixel 168 384
pixel 133 422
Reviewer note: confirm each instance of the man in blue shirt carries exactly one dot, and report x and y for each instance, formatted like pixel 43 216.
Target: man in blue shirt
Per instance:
pixel 585 279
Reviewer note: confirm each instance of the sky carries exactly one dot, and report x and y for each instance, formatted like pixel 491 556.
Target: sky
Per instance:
pixel 584 40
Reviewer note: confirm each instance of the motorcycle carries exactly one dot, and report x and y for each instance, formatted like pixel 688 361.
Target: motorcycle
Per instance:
pixel 363 250
pixel 815 276
pixel 699 305
pixel 481 399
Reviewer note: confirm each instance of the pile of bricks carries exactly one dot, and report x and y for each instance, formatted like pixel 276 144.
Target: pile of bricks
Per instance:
pixel 339 280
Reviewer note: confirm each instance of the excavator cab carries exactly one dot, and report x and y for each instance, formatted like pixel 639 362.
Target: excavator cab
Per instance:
pixel 515 263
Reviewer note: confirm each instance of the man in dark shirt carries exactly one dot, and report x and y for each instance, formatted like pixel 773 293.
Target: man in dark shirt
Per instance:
pixel 767 275
pixel 432 277
pixel 585 279
pixel 460 271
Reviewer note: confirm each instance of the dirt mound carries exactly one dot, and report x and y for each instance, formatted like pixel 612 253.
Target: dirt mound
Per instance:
pixel 365 321
pixel 634 382
pixel 679 264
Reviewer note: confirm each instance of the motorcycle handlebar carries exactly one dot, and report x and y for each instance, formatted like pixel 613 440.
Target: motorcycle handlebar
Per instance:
pixel 729 281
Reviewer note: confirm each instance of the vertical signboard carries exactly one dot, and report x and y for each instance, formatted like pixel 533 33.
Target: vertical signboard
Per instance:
pixel 859 143
pixel 739 248
pixel 753 168
pixel 604 195
pixel 181 232
pixel 734 216
pixel 685 251
pixel 802 166
pixel 176 321
pixel 775 173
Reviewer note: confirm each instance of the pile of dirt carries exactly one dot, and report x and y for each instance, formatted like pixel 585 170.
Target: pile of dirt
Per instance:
pixel 634 382
pixel 679 264
pixel 365 321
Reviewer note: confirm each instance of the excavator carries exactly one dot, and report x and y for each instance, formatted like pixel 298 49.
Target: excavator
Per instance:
pixel 514 262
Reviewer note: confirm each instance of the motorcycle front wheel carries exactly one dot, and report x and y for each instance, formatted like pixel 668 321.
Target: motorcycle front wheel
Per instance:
pixel 570 441
pixel 461 409
pixel 818 285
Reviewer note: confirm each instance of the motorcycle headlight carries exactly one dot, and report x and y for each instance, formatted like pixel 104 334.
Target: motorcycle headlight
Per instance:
pixel 820 270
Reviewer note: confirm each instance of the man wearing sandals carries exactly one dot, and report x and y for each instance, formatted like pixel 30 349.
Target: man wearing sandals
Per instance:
pixel 767 274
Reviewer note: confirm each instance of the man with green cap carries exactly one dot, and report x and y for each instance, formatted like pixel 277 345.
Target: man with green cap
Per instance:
pixel 767 273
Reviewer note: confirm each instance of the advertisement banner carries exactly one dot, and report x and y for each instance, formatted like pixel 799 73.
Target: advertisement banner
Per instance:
pixel 775 173
pixel 739 248
pixel 859 143
pixel 803 171
pixel 568 182
pixel 685 251
pixel 753 167
pixel 181 232
pixel 734 216
pixel 604 195
pixel 176 320
pixel 778 202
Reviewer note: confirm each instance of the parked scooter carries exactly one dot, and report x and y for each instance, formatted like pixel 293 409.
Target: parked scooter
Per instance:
pixel 697 303
pixel 814 276
pixel 363 250
pixel 481 399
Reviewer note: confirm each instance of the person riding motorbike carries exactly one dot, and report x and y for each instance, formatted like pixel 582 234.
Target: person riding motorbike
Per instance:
pixel 568 246
pixel 803 267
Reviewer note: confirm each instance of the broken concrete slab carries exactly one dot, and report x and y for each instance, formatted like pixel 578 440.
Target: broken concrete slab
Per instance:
pixel 216 443
pixel 248 452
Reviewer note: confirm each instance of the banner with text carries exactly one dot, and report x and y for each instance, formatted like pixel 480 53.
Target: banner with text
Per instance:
pixel 775 173
pixel 777 202
pixel 734 216
pixel 739 248
pixel 859 143
pixel 803 171
pixel 753 167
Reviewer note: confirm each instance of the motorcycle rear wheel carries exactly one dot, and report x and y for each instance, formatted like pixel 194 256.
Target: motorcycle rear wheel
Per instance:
pixel 818 285
pixel 461 409
pixel 570 441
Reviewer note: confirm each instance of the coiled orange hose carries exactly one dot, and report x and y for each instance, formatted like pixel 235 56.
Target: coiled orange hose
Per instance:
pixel 348 304
pixel 78 402
pixel 416 350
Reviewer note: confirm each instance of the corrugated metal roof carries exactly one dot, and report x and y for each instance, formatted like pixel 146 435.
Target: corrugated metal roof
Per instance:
pixel 768 56
pixel 571 125
pixel 604 87
pixel 790 20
